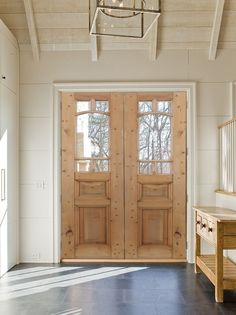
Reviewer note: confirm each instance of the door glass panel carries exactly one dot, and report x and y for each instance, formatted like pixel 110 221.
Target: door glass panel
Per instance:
pixel 145 106
pixel 164 107
pixel 83 106
pixel 149 168
pixel 146 168
pixel 92 138
pixel 102 106
pixel 164 168
pixel 92 165
pixel 155 138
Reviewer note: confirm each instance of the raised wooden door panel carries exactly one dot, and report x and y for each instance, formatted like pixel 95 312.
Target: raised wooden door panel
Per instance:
pixel 155 172
pixel 93 217
pixel 155 215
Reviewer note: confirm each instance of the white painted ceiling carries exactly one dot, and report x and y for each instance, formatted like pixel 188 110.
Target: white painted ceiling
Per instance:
pixel 64 25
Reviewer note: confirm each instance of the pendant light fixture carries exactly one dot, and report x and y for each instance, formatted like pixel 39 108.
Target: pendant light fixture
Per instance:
pixel 123 18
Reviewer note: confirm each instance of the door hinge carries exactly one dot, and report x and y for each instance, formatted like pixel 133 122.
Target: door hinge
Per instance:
pixel 186 245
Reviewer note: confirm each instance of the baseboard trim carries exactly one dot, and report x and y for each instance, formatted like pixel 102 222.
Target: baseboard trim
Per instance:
pixel 124 261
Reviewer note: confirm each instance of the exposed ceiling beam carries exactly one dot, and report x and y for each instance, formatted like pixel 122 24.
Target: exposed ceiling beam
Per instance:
pixel 154 42
pixel 216 29
pixel 32 28
pixel 94 47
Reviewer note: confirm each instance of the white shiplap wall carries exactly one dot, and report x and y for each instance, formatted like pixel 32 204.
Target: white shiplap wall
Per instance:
pixel 36 173
pixel 213 107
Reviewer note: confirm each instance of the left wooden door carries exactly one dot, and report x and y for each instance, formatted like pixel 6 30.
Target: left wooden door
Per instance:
pixel 92 176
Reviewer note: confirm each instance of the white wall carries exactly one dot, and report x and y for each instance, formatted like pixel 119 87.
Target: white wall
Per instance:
pixel 227 201
pixel 9 144
pixel 36 104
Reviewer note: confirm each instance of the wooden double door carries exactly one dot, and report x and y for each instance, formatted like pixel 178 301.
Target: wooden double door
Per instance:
pixel 123 176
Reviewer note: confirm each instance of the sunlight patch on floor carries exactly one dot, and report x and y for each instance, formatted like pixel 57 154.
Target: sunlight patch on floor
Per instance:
pixel 36 273
pixel 42 285
pixel 73 311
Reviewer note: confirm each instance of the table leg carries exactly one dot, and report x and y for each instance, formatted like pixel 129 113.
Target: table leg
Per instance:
pixel 197 251
pixel 219 267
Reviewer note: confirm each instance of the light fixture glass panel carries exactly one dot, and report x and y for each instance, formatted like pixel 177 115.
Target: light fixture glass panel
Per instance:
pixel 123 18
pixel 129 4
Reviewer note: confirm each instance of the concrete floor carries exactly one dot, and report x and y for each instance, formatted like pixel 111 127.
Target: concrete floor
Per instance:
pixel 170 289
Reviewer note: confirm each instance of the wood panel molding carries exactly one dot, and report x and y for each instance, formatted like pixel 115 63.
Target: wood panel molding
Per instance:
pixel 67 175
pixel 179 171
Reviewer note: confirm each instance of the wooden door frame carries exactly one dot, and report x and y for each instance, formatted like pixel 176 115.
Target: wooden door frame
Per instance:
pixel 188 87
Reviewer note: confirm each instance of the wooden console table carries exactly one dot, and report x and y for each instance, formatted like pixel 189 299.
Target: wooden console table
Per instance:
pixel 217 226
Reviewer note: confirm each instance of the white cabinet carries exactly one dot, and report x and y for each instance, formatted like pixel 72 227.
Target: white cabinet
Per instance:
pixel 9 156
pixel 9 61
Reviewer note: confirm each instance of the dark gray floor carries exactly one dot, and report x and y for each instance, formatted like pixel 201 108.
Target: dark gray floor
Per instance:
pixel 110 290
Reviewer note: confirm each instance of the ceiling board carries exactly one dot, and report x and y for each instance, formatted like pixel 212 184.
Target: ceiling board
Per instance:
pixel 60 6
pixel 63 36
pixel 228 34
pixel 187 18
pixel 185 35
pixel 229 18
pixel 63 25
pixel 15 20
pixel 187 5
pixel 62 20
pixel 230 5
pixel 11 6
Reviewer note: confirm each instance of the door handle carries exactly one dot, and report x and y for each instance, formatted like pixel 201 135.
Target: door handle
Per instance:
pixel 3 184
pixel 177 234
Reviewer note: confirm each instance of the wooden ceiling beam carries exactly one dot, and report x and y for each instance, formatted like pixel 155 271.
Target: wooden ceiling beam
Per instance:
pixel 154 42
pixel 32 28
pixel 94 47
pixel 216 29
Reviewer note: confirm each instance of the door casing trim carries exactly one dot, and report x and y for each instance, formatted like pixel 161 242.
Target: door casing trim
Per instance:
pixel 91 87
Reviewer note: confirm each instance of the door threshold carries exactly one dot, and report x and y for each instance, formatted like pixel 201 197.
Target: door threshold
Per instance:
pixel 124 261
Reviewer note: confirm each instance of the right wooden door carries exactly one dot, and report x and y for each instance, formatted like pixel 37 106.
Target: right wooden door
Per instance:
pixel 126 199
pixel 155 175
